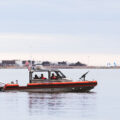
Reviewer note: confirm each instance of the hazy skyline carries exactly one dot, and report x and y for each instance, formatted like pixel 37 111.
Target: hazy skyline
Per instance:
pixel 79 30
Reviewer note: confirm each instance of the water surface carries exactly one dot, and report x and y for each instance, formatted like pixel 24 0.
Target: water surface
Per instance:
pixel 102 103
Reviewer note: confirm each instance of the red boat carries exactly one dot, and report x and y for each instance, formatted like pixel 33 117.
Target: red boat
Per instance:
pixel 55 81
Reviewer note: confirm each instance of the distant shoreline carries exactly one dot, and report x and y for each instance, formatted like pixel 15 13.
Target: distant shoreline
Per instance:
pixel 64 67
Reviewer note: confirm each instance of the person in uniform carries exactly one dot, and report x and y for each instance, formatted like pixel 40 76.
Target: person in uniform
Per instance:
pixel 42 77
pixel 53 76
pixel 36 77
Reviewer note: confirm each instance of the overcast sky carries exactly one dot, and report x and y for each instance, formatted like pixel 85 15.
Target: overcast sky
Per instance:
pixel 79 30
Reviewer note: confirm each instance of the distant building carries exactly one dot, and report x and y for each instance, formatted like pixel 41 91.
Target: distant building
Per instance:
pixel 23 62
pixel 62 63
pixel 8 62
pixel 29 61
pixel 77 64
pixel 46 63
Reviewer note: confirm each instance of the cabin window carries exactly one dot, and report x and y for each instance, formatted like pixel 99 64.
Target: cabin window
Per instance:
pixel 37 75
pixel 58 74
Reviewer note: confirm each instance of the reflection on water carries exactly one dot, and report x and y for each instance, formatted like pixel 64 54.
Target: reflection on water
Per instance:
pixel 36 106
pixel 65 104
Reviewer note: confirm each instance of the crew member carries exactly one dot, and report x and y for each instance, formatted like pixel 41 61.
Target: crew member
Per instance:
pixel 53 76
pixel 42 77
pixel 36 77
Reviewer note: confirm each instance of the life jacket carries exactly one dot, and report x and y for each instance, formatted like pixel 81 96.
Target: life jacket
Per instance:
pixel 43 78
pixel 53 77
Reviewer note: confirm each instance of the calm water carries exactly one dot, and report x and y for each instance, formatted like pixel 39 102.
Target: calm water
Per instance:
pixel 103 103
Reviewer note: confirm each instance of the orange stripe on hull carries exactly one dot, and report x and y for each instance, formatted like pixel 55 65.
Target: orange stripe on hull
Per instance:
pixel 62 83
pixel 51 85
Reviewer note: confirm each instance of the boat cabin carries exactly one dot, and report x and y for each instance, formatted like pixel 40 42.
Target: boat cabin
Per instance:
pixel 46 75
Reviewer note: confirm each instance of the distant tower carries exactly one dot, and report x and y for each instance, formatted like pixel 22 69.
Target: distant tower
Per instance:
pixel 115 64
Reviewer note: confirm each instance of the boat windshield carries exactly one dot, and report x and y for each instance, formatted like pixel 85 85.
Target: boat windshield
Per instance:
pixel 47 75
pixel 59 74
pixel 40 75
